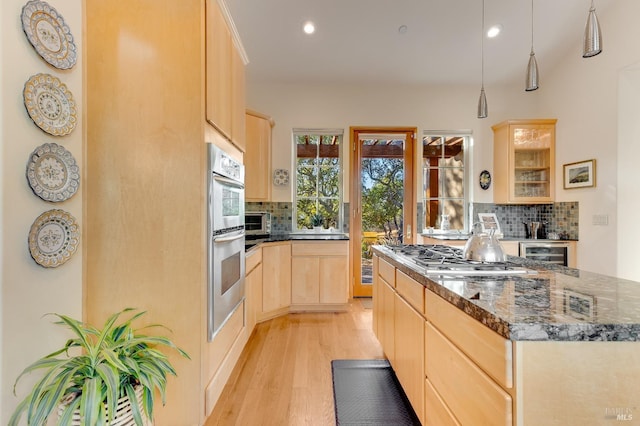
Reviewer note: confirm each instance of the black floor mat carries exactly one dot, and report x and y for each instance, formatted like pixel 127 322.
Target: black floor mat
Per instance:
pixel 367 392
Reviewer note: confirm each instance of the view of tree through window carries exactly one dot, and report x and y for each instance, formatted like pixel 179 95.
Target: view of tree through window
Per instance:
pixel 444 178
pixel 318 179
pixel 382 193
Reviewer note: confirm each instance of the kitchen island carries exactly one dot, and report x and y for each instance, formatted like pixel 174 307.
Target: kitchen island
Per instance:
pixel 553 345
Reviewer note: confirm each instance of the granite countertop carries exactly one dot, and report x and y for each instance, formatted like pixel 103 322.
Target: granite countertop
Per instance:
pixel 555 303
pixel 251 242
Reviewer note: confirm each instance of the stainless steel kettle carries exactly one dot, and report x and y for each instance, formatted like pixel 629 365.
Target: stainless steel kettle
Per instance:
pixel 483 247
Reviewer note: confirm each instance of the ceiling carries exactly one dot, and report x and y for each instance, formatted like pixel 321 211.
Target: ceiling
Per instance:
pixel 358 41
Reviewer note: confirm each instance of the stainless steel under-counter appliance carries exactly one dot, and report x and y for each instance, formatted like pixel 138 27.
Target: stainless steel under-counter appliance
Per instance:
pixel 547 251
pixel 226 235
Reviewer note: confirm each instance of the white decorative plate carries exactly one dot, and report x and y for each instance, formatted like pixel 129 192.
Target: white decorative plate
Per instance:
pixel 49 34
pixel 50 104
pixel 53 238
pixel 52 173
pixel 280 177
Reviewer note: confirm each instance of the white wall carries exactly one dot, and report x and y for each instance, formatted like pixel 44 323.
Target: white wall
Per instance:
pixel 27 291
pixel 628 173
pixel 334 106
pixel 584 95
pixel 580 93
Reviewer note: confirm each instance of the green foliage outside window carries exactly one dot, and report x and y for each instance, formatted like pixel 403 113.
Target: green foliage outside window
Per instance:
pixel 318 179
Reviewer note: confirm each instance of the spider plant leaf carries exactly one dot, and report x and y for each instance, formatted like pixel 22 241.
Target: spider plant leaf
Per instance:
pixel 68 412
pixel 17 414
pixel 135 406
pixel 78 328
pixel 111 385
pixel 90 401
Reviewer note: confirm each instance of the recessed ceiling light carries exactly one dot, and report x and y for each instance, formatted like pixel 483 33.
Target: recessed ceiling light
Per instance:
pixel 403 29
pixel 494 31
pixel 309 28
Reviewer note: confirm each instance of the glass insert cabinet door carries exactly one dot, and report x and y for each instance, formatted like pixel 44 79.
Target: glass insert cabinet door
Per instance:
pixel 524 161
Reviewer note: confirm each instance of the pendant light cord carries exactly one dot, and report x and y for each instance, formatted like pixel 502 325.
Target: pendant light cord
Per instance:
pixel 532 26
pixel 482 48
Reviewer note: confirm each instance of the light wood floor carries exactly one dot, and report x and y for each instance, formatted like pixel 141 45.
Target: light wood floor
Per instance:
pixel 284 374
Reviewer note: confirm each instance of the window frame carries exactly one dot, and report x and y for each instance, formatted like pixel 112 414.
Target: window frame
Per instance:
pixel 340 199
pixel 467 168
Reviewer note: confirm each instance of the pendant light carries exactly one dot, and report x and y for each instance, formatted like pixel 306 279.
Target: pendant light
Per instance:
pixel 532 67
pixel 483 110
pixel 592 35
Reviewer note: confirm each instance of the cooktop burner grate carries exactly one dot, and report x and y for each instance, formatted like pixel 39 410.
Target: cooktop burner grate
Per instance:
pixel 441 259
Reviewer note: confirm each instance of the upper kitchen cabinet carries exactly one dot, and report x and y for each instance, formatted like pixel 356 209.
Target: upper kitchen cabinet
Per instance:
pixel 257 157
pixel 524 161
pixel 225 77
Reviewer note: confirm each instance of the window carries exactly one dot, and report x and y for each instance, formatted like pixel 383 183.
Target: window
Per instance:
pixel 318 178
pixel 444 179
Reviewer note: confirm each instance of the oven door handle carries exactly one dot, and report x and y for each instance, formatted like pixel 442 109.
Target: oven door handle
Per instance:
pixel 228 181
pixel 228 239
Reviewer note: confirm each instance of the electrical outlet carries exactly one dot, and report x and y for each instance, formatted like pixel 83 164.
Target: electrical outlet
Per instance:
pixel 600 219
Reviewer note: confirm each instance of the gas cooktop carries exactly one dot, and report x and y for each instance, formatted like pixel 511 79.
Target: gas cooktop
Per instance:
pixel 447 260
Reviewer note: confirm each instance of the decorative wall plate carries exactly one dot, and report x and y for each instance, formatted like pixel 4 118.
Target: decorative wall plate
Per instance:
pixel 485 179
pixel 53 238
pixel 50 104
pixel 49 34
pixel 52 173
pixel 280 177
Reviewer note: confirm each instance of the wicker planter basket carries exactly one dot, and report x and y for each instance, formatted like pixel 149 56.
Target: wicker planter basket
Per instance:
pixel 124 414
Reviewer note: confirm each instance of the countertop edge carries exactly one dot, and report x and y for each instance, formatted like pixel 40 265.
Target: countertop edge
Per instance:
pixel 524 331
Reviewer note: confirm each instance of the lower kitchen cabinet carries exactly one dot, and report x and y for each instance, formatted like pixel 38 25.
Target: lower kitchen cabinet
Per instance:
pixel 453 369
pixel 319 275
pixel 384 305
pixel 471 395
pixel 276 279
pixel 253 288
pixel 438 412
pixel 409 352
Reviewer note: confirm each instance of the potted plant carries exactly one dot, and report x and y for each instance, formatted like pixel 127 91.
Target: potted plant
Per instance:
pixel 109 367
pixel 317 221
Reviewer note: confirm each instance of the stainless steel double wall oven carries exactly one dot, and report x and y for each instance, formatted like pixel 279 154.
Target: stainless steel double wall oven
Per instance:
pixel 225 251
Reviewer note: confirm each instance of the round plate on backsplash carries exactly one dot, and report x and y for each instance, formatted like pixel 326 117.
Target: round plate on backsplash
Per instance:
pixel 280 177
pixel 485 179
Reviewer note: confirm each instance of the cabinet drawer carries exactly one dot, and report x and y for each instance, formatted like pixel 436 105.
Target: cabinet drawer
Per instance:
pixel 492 352
pixel 253 259
pixel 387 271
pixel 436 412
pixel 410 290
pixel 470 394
pixel 320 248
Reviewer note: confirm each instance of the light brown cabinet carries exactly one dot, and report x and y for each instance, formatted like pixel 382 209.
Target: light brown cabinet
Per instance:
pixel 524 161
pixel 276 279
pixel 225 78
pixel 319 272
pixel 384 305
pixel 409 352
pixel 146 71
pixel 453 369
pixel 257 157
pixel 253 288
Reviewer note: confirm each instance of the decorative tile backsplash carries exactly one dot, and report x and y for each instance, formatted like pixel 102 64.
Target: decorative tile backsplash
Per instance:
pixel 282 214
pixel 559 217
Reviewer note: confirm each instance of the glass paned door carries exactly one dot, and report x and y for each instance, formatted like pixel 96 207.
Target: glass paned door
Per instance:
pixel 382 202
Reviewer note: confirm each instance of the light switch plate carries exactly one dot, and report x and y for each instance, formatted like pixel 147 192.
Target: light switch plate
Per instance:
pixel 600 219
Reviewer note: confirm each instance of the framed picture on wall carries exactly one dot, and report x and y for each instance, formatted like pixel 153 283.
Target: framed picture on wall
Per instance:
pixel 489 221
pixel 580 175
